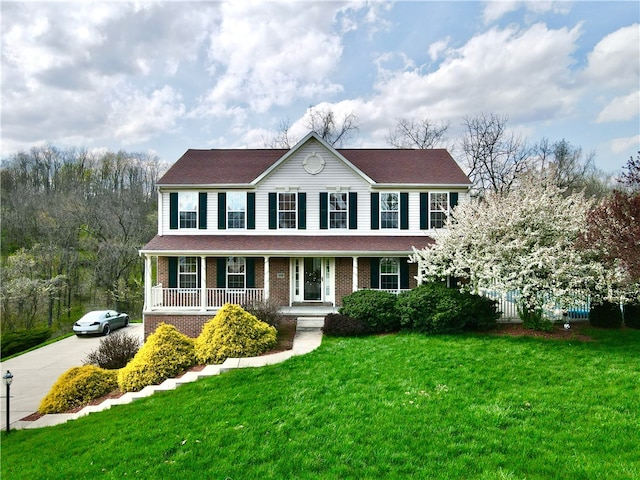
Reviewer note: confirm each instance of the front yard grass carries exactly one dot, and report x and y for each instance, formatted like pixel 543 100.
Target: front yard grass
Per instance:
pixel 393 406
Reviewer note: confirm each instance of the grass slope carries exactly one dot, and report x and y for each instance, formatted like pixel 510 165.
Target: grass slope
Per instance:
pixel 396 406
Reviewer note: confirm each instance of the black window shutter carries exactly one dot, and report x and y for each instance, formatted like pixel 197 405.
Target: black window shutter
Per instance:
pixel 375 273
pixel 222 210
pixel 273 211
pixel 375 210
pixel 404 211
pixel 251 273
pixel 404 273
pixel 353 210
pixel 173 272
pixel 424 208
pixel 251 210
pixel 221 272
pixel 324 210
pixel 202 210
pixel 173 210
pixel 453 199
pixel 302 211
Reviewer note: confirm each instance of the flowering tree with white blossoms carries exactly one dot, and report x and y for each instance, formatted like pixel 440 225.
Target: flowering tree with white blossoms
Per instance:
pixel 523 241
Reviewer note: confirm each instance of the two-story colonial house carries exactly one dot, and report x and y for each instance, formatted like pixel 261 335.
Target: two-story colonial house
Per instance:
pixel 302 227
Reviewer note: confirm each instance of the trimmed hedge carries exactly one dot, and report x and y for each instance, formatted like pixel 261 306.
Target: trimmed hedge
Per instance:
pixel 376 308
pixel 78 386
pixel 20 340
pixel 632 315
pixel 233 332
pixel 605 315
pixel 338 325
pixel 165 354
pixel 434 308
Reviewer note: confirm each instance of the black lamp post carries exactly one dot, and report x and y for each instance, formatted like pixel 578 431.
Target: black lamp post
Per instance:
pixel 8 378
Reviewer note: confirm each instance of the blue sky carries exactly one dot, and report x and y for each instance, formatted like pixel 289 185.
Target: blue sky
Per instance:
pixel 163 77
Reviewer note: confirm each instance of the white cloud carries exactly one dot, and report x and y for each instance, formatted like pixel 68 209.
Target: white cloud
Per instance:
pixel 614 61
pixel 496 9
pixel 437 48
pixel 523 73
pixel 260 63
pixel 136 117
pixel 620 145
pixel 621 108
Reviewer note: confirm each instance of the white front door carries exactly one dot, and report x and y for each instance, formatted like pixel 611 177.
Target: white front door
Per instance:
pixel 313 279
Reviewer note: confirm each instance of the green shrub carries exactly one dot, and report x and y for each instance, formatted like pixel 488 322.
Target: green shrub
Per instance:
pixel 376 308
pixel 267 311
pixel 114 351
pixel 433 308
pixel 632 315
pixel 481 312
pixel 605 315
pixel 233 332
pixel 534 319
pixel 339 325
pixel 165 354
pixel 77 387
pixel 20 340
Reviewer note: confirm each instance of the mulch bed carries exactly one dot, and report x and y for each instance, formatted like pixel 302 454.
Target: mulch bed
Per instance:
pixel 286 332
pixel 558 332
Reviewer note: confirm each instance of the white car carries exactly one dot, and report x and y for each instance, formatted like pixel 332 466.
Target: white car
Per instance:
pixel 100 322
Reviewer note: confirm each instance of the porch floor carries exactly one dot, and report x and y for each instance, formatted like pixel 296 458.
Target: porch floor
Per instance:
pixel 308 310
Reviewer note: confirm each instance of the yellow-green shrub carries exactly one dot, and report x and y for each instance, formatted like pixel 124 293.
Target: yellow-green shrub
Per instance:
pixel 165 354
pixel 233 332
pixel 78 386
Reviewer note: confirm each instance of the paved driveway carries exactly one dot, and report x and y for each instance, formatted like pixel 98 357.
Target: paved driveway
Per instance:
pixel 35 372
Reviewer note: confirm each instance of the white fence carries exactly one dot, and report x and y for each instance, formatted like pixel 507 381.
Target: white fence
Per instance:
pixel 508 306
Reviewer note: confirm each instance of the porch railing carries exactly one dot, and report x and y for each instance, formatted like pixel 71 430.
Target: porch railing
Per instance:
pixel 190 298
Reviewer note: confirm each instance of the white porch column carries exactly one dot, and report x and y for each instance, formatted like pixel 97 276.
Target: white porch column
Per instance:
pixel 266 278
pixel 203 283
pixel 147 283
pixel 354 280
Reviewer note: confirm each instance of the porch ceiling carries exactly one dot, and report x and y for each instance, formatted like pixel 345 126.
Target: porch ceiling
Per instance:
pixel 284 245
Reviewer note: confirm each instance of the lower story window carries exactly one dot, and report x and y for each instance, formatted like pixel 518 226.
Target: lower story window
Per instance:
pixel 389 273
pixel 236 272
pixel 188 272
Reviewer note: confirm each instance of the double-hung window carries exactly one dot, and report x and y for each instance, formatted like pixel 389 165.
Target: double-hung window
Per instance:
pixel 338 210
pixel 236 272
pixel 287 210
pixel 389 273
pixel 389 210
pixel 187 272
pixel 188 209
pixel 438 209
pixel 236 209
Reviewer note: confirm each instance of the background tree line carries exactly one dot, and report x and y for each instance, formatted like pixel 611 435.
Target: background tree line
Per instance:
pixel 72 224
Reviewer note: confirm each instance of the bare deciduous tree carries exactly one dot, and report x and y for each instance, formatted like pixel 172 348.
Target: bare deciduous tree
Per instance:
pixel 324 123
pixel 420 134
pixel 495 158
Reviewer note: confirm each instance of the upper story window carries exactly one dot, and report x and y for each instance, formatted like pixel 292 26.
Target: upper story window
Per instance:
pixel 236 209
pixel 389 273
pixel 389 210
pixel 287 210
pixel 188 209
pixel 187 272
pixel 338 210
pixel 438 209
pixel 236 272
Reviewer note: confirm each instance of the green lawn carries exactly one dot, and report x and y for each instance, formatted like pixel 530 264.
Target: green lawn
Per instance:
pixel 397 406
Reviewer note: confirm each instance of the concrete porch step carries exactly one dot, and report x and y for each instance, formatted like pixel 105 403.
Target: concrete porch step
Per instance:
pixel 304 324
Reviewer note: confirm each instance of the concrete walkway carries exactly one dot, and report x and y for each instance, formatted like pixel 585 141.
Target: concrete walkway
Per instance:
pixel 308 337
